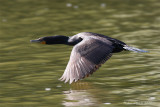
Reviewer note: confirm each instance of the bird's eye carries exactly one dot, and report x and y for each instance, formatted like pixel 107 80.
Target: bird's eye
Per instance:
pixel 40 38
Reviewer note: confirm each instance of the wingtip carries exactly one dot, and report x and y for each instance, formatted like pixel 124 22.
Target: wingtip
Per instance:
pixel 61 79
pixel 69 81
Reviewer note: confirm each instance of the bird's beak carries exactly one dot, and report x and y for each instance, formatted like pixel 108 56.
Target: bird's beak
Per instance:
pixel 38 41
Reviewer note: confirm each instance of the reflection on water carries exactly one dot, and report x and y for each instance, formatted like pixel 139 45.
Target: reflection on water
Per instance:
pixel 78 98
pixel 29 73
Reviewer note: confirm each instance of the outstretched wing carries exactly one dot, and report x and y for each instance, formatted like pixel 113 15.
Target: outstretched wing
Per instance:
pixel 86 57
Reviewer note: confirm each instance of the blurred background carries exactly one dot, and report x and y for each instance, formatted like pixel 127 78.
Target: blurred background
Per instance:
pixel 29 73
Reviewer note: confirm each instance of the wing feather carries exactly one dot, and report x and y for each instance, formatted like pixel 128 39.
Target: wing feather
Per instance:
pixel 86 57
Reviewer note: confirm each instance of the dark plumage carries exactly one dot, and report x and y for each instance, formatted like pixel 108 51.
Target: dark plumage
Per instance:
pixel 89 52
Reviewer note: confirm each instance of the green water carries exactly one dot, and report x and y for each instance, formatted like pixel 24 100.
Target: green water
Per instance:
pixel 29 73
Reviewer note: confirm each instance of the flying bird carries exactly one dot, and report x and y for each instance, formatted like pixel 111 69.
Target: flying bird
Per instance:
pixel 90 51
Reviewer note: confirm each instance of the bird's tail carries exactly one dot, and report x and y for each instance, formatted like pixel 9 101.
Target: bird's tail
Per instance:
pixel 126 47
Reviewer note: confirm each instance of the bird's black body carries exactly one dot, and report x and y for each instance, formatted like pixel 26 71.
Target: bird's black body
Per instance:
pixel 60 39
pixel 89 52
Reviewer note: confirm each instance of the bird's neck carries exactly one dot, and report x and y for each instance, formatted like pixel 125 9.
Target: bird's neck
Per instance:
pixel 60 39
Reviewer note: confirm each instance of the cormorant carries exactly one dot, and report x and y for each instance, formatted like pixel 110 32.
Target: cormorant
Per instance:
pixel 89 52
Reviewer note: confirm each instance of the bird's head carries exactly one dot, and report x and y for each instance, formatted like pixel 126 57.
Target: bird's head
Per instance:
pixel 59 39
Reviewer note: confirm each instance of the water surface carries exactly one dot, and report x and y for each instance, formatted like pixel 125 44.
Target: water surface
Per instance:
pixel 29 73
